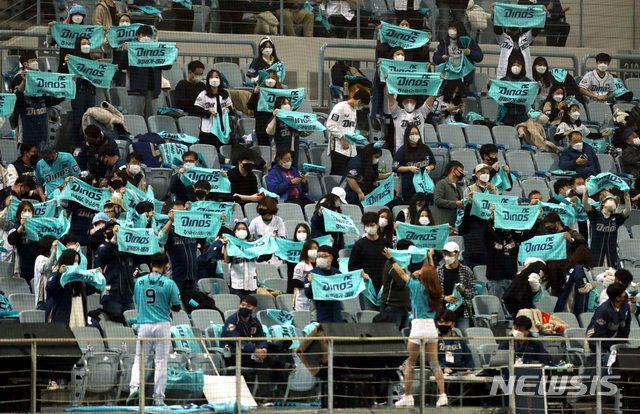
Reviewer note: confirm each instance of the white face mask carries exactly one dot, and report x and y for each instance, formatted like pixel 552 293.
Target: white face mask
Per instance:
pixel 98 226
pixel 26 214
pixel 611 205
pixel 374 161
pixel 453 34
pixel 286 107
pixel 241 234
pixel 558 98
pixel 409 107
pixel 197 78
pixel 124 23
pixel 85 49
pixel 215 82
pixel 541 69
pixel 301 236
pixel 270 83
pixel 580 189
pixel 636 141
pixel 399 57
pixel 267 51
pixel 517 334
pixel 33 65
pixel 413 139
pixel 382 222
pixel 371 230
pixel 189 164
pixel 134 169
pixel 322 262
pixel 77 19
pixel 567 193
pixel 145 39
pixel 575 115
pixel 516 70
pixel 449 260
pixel 312 254
pixel 424 221
pixel 577 147
pixel 484 178
pixel 602 67
pixel 286 165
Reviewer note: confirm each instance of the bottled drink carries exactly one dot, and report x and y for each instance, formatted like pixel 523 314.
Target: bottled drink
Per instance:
pixel 383 168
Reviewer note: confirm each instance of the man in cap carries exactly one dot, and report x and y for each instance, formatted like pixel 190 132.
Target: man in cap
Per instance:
pixel 458 284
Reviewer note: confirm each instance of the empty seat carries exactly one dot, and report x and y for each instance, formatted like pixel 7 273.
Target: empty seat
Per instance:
pixel 232 72
pixel 22 301
pixel 468 157
pixel 599 112
pixel 11 285
pixel 507 136
pixel 266 271
pixel 290 211
pixel 285 302
pixel 159 179
pixel 189 125
pixel 209 153
pixel 227 302
pixel 489 109
pixel 120 98
pixel 478 134
pixel 546 161
pixel 538 185
pixel 213 286
pixel 606 163
pixel 32 316
pixel 452 134
pixel 135 124
pixel 521 162
pixel 202 318
pixel 159 123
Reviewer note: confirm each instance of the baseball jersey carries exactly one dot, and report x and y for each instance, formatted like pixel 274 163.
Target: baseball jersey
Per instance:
pixel 564 127
pixel 592 82
pixel 154 294
pixel 402 119
pixel 206 102
pixel 53 175
pixel 341 121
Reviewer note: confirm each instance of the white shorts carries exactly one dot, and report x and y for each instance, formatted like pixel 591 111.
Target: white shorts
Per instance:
pixel 422 328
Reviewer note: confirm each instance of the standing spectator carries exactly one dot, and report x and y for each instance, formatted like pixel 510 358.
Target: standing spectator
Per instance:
pixel 515 113
pixel 525 288
pixel 452 273
pixel 176 186
pixel 448 193
pixel 327 311
pixel 408 14
pixel 301 233
pixel 25 164
pixel 210 104
pixel 26 249
pixel 267 222
pixel 449 11
pixel 77 14
pixel 361 174
pixel 575 297
pixel 342 120
pixel 553 224
pixel 366 254
pixel 294 14
pixel 120 54
pixel 188 89
pixel 571 122
pixel 145 84
pixel 20 189
pixel 182 252
pixel 405 115
pixel 156 296
pixel 66 304
pixel 545 79
pixel 33 123
pixel 482 182
pixel 630 159
pixel 411 214
pixel 579 157
pixel 80 217
pixel 343 18
pixel 184 16
pixel 447 107
pixel 243 183
pixel 111 158
pixel 414 157
pixel 87 158
pixel 556 24
pixel 396 296
pixel 105 14
pixel 54 168
pixel 489 156
pixel 333 203
pixel 244 279
pixel 387 225
pixel 284 137
pixel 263 117
pixel 300 281
pixel 266 58
pixel 598 84
pixel 604 228
pixel 285 180
pixel 133 171
pixel 42 268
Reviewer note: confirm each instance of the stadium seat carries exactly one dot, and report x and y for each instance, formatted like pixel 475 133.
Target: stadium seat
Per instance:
pixel 483 307
pixel 430 134
pixel 180 318
pixel 301 318
pixel 276 284
pixel 135 124
pixel 331 181
pixel 212 286
pixel 174 75
pixel 468 157
pixel 480 81
pixel 290 226
pixel 285 302
pixel 159 123
pixel 246 126
pixel 478 134
pixel 120 97
pixel 265 302
pixel 606 163
pixel 452 135
pixel 301 381
pixel 232 72
pixel 633 219
pixel 515 191
pixel 266 271
pixel 366 316
pixel 546 304
pixel 290 211
pixel 190 125
pixel 521 162
pixel 8 147
pixel 21 301
pixel 538 185
pixel 352 211
pixel 546 161
pixel 633 84
pixel 316 190
pixel 624 107
pixel 599 112
pixel 11 285
pixel 569 318
pixel 266 320
pixel 623 233
pixel 507 136
pixel 481 345
pixel 202 318
pixel 209 153
pixel 32 316
pixel 159 179
pixel 489 108
pixel 585 319
pixel 309 209
pixel 627 250
pixel 93 302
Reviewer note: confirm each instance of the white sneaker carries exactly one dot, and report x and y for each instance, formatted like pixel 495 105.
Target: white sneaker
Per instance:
pixel 442 400
pixel 405 401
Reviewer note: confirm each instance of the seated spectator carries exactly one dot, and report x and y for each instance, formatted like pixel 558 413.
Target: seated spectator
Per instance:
pixel 24 165
pixel 545 79
pixel 446 107
pixel 482 183
pixel 598 84
pixel 284 137
pixel 54 167
pixel 331 201
pixel 622 276
pixel 285 180
pixel 413 157
pixel 411 214
pixel 571 122
pixel 361 174
pixel 489 156
pixel 133 171
pixel 555 105
pixel 87 158
pixel 210 104
pixel 294 14
pixel 387 226
pixel 454 355
pixel 188 89
pixel 244 184
pixel 202 192
pixel 448 194
pixel 25 249
pixel 630 159
pixel 327 311
pixel 300 281
pixel 575 297
pixel 526 351
pixel 617 140
pixel 176 186
pixel 244 279
pixel 110 157
pixel 579 157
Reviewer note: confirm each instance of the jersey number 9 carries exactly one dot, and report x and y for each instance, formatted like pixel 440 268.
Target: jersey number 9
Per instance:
pixel 151 296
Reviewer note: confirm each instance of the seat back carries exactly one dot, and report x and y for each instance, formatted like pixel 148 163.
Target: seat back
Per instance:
pixel 11 285
pixel 22 301
pixel 189 125
pixel 538 185
pixel 159 123
pixel 285 302
pixel 159 179
pixel 546 304
pixel 478 134
pixel 231 71
pixel 209 153
pixel 522 162
pixel 227 302
pixel 487 305
pixel 136 125
pixel 569 318
pixel 546 161
pixel 506 135
pixel 120 97
pixel 452 134
pixel 202 318
pixel 32 316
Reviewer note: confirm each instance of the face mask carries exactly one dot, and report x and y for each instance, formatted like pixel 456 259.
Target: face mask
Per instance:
pixel 453 34
pixel 197 78
pixel 301 236
pixel 26 214
pixel 460 176
pixel 413 139
pixel 322 262
pixel 33 65
pixel 286 165
pixel 551 230
pixel 85 49
pixel 516 70
pixel 134 169
pixel 124 23
pixel 541 69
pixel 382 222
pixel 493 160
pixel 374 161
pixel 215 82
pixel 270 83
pixel 108 235
pixel 567 193
pixel 575 115
pixel 577 147
pixel 611 205
pixel 145 39
pixel 77 19
pixel 399 57
pixel 201 194
pixel 312 254
pixel 338 204
pixel 602 67
pixel 409 107
pixel 116 185
pixel 517 334
pixel 636 141
pixel 267 51
pixel 371 230
pixel 444 329
pixel 484 178
pixel 449 260
pixel 244 312
pixel 558 98
pixel 248 166
pixel 580 189
pixel 286 107
pixel 49 160
pixel 98 226
pixel 262 211
pixel 424 221
pixel 189 164
pixel 241 234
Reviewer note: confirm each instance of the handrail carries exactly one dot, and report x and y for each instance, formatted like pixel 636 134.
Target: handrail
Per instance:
pixel 586 57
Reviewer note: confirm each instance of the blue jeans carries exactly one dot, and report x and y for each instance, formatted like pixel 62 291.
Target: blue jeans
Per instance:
pixel 328 311
pixel 462 323
pixel 497 287
pixel 85 99
pixel 396 315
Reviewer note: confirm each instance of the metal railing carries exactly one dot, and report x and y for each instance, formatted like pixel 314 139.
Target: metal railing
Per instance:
pixel 636 58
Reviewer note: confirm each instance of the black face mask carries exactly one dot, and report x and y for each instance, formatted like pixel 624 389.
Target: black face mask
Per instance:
pixel 444 329
pixel 248 166
pixel 493 160
pixel 34 159
pixel 460 176
pixel 552 230
pixel 201 193
pixel 108 234
pixel 116 185
pixel 262 211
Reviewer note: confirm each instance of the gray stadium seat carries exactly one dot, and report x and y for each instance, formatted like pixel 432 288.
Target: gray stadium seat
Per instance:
pixel 120 97
pixel 159 123
pixel 285 302
pixel 159 179
pixel 468 157
pixel 22 301
pixel 135 124
pixel 265 302
pixel 209 153
pixel 11 285
pixel 478 134
pixel 522 163
pixel 227 302
pixel 606 163
pixel 213 286
pixel 179 318
pixel 266 271
pixel 546 161
pixel 202 318
pixel 276 284
pixel 506 135
pixel 32 316
pixel 483 307
pixel 452 134
pixel 546 304
pixel 301 318
pixel 190 125
pixel 290 211
pixel 536 184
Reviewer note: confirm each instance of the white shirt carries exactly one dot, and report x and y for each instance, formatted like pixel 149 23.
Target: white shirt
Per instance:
pixel 299 273
pixel 592 82
pixel 342 120
pixel 564 127
pixel 402 5
pixel 259 228
pixel 340 7
pixel 506 47
pixel 440 106
pixel 40 277
pixel 243 273
pixel 207 103
pixel 402 119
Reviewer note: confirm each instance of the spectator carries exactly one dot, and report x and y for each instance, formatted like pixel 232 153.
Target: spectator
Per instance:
pixel 553 224
pixel 202 192
pixel 361 174
pixel 598 84
pixel 366 254
pixel 525 288
pixel 580 158
pixel 617 140
pixel 188 89
pixel 395 302
pixel 294 14
pixel 208 261
pixel 300 282
pixel 489 156
pixel 342 120
pixel 425 218
pixel 332 202
pixel 263 117
pixel 545 79
pixel 54 168
pixel 77 14
pixel 269 223
pixel 622 276
pixel 87 157
pixel 42 268
pixel 301 233
pixel 80 216
pixel 327 311
pixel 414 157
pixel 571 122
pixel 31 111
pixel 408 13
pixel 85 91
pixel 482 174
pixel 20 189
pixel 210 104
pixel 420 54
pixel 24 165
pixel 285 180
pixel 453 354
pixel 266 58
pixel 526 352
pixel 284 137
pixel 244 279
pixel 184 16
pixel 176 186
pixel 145 84
pixel 575 297
pixel 116 182
pixel 411 214
pixel 604 228
pixel 452 273
pixel 449 11
pixel 133 171
pixel 447 107
pixel 448 193
pixel 534 197
pixel 515 113
pixel 342 17
pixel 556 24
pixel 182 252
pixel 106 14
pixel 387 225
pixel 555 105
pixel 110 157
pixel 119 54
pixel 243 183
pixel 405 114
pixel 630 159
pixel 154 319
pixel 578 188
pixel 451 50
pixel 26 249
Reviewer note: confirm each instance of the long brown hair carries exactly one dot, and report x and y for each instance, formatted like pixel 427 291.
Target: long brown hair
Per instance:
pixel 432 288
pixel 582 256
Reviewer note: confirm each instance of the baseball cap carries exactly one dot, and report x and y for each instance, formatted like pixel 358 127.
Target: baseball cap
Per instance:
pixel 451 247
pixel 627 133
pixel 339 191
pixel 479 167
